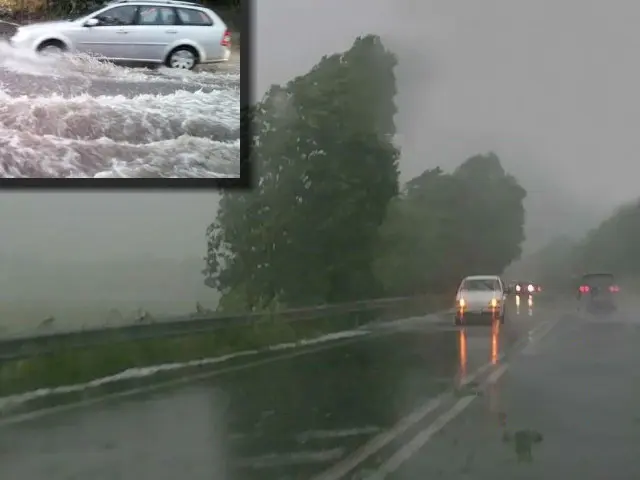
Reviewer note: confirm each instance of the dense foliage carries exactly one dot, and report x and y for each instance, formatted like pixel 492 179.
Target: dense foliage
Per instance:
pixel 613 246
pixel 446 226
pixel 327 221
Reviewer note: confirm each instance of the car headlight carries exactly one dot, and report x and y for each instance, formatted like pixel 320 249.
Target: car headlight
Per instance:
pixel 517 288
pixel 461 302
pixel 494 302
pixel 530 288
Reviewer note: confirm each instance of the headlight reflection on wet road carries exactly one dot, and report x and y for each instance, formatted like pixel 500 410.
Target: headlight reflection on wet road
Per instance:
pixel 462 351
pixel 463 348
pixel 529 305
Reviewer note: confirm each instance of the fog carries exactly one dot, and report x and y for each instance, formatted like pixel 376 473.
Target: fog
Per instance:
pixel 551 86
pixel 76 255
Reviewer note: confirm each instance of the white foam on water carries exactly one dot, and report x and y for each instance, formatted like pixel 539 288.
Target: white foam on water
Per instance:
pixel 89 67
pixel 13 401
pixel 55 121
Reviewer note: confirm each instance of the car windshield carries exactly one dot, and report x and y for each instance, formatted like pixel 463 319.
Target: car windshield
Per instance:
pixel 480 284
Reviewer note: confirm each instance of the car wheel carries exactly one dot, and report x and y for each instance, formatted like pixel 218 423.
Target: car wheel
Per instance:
pixel 51 47
pixel 184 58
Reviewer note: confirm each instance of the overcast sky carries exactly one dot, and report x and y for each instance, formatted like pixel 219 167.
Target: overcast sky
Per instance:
pixel 555 82
pixel 103 225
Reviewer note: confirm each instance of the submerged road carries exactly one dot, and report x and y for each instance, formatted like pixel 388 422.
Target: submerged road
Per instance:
pixel 414 400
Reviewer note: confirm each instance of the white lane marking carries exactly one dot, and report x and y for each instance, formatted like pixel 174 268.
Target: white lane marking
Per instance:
pixel 26 417
pixel 378 442
pixel 275 460
pixel 534 339
pixel 343 468
pixel 411 448
pixel 342 433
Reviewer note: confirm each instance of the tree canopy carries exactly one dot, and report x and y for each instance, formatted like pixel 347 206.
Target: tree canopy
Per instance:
pixel 327 221
pixel 446 226
pixel 326 168
pixel 613 246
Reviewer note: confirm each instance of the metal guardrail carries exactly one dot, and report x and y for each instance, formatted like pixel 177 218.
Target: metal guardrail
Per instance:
pixel 25 346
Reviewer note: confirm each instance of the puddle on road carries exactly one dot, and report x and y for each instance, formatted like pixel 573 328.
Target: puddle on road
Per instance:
pixel 523 442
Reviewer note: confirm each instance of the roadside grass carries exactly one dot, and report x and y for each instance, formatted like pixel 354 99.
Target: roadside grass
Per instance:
pixel 80 365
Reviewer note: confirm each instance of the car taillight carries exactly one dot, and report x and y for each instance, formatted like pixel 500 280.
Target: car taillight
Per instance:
pixel 584 288
pixel 226 39
pixel 614 288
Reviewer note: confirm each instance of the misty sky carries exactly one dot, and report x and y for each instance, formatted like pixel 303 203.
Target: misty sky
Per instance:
pixel 553 82
pixel 103 225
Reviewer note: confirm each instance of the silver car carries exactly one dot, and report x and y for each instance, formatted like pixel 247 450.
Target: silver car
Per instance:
pixel 480 297
pixel 174 33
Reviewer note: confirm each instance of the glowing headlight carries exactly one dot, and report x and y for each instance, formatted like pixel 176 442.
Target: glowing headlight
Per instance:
pixel 517 288
pixel 494 302
pixel 530 288
pixel 461 302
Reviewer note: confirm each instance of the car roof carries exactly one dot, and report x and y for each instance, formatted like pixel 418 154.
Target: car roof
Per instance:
pixel 481 277
pixel 183 3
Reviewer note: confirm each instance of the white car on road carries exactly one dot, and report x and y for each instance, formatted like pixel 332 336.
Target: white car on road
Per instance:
pixel 174 33
pixel 480 297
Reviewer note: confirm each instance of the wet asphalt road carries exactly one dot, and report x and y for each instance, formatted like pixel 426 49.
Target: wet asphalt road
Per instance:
pixel 335 413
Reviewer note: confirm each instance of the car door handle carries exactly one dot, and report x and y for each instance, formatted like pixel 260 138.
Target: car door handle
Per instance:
pixel 171 31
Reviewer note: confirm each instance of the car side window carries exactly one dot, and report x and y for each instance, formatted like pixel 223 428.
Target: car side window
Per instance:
pixel 190 16
pixel 151 15
pixel 118 16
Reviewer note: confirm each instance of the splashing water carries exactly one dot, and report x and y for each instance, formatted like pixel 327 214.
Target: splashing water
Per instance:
pixel 77 116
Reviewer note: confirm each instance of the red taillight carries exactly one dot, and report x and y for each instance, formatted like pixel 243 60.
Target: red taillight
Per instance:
pixel 614 288
pixel 584 288
pixel 226 39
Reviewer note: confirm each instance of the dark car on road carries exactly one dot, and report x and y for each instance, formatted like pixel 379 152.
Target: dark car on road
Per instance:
pixel 597 292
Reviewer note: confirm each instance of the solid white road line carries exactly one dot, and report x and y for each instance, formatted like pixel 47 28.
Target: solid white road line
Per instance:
pixel 411 448
pixel 534 340
pixel 342 468
pixel 378 442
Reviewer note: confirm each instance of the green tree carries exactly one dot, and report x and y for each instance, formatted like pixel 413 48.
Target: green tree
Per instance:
pixel 326 169
pixel 615 244
pixel 493 212
pixel 445 226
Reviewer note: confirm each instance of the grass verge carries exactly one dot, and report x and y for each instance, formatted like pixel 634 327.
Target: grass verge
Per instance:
pixel 81 365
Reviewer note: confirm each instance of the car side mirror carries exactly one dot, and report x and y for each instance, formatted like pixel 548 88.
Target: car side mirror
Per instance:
pixel 92 22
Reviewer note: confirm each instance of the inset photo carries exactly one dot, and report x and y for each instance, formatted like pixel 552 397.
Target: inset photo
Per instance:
pixel 120 89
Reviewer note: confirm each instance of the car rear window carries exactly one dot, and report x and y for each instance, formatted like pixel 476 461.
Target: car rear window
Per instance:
pixel 598 279
pixel 190 16
pixel 482 284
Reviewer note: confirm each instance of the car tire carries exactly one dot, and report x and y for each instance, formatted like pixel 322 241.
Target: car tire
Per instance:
pixel 51 47
pixel 182 58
